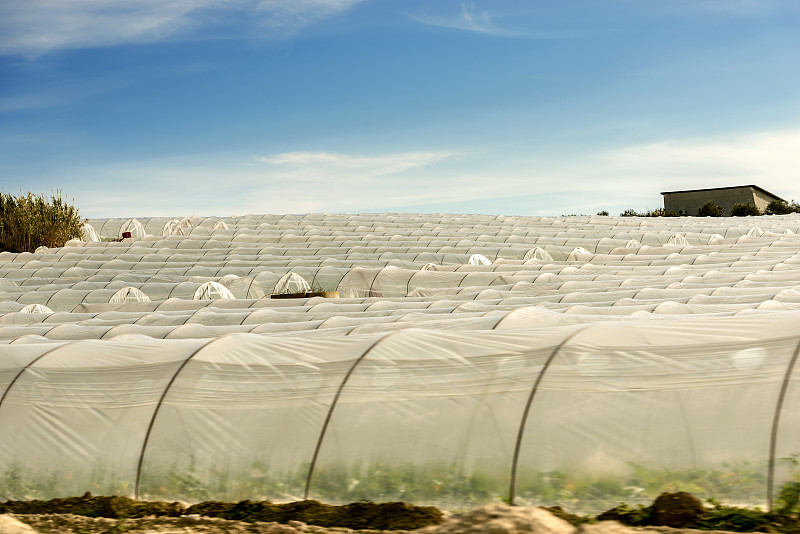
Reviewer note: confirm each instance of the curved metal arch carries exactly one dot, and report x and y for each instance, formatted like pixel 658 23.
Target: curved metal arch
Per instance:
pixel 408 282
pixel 169 295
pixel 503 318
pixel 158 408
pixel 314 278
pixel 499 320
pixel 462 279
pixel 352 329
pixel 773 440
pixel 371 282
pixel 53 295
pixel 332 407
pixel 107 332
pixel 518 445
pixel 31 363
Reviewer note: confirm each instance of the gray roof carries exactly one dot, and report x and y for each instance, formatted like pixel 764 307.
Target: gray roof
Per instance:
pixel 722 188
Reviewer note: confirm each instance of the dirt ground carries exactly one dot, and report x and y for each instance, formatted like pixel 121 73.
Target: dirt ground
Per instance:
pixel 67 523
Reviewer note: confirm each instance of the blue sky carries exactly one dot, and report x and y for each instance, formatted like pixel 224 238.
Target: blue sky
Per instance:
pixel 227 107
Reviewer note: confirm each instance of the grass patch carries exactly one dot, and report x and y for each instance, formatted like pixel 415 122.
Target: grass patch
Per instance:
pixel 29 221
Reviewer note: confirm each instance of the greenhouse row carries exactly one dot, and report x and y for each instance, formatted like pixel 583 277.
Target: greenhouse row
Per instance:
pixel 436 359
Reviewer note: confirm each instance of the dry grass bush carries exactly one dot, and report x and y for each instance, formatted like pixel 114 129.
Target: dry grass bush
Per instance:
pixel 30 221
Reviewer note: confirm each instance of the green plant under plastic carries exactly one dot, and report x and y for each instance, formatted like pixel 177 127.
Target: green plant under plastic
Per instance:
pixel 443 484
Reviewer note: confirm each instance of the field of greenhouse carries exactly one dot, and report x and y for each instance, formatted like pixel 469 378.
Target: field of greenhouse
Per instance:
pixel 448 360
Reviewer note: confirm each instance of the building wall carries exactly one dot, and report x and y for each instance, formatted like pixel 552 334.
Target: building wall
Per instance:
pixel 762 199
pixel 687 203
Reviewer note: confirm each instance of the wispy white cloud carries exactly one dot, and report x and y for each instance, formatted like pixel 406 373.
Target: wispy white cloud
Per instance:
pixel 291 15
pixel 34 27
pixel 67 92
pixel 757 157
pixel 469 18
pixel 289 182
pixel 576 180
pixel 321 166
pixel 573 180
pixel 633 176
pixel 479 22
pixel 325 181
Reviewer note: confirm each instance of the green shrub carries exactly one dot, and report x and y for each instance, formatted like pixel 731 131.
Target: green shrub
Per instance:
pixel 789 498
pixel 658 212
pixel 742 210
pixel 710 209
pixel 29 221
pixel 628 515
pixel 789 495
pixel 735 519
pixel 603 213
pixel 778 207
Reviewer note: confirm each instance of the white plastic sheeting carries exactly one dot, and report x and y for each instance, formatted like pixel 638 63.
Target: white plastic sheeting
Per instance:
pixel 35 308
pixel 128 294
pixel 576 413
pixel 479 259
pixel 88 234
pixel 592 360
pixel 170 227
pixel 212 291
pixel 178 227
pixel 537 253
pixel 133 227
pixel 291 283
pixel 677 239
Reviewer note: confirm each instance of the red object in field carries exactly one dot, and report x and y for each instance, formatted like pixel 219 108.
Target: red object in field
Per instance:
pixel 125 234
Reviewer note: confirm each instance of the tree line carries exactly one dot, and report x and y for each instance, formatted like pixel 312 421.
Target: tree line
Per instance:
pixel 712 209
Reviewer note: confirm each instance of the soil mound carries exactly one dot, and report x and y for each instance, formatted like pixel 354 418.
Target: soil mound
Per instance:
pixel 358 515
pixel 678 510
pixel 113 506
pixel 502 519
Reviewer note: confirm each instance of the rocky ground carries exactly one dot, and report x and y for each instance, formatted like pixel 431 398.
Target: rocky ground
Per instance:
pixel 490 519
